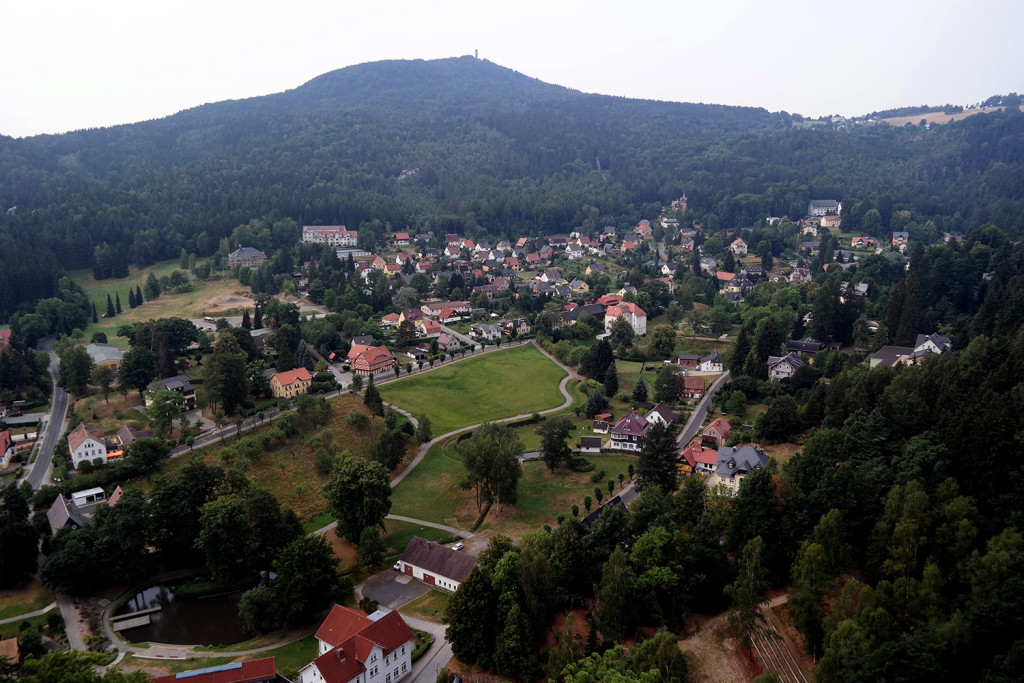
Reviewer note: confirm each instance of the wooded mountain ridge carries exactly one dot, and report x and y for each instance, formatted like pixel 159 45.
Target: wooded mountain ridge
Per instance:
pixel 486 150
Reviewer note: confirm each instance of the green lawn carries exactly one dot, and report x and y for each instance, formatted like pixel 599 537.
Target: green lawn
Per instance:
pixel 397 535
pixel 11 630
pixel 542 495
pixel 428 606
pixel 32 597
pixel 492 386
pixel 431 491
pixel 288 659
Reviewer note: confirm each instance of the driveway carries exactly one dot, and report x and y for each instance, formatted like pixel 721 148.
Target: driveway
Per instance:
pixel 392 590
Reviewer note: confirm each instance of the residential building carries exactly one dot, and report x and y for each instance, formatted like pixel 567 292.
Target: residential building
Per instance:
pixel 428 328
pixel 810 346
pixel 402 238
pixel 736 463
pixel 717 433
pixel 628 433
pixel 518 326
pixel 183 385
pixel 891 356
pixel 590 445
pixel 106 355
pixel 900 239
pixel 485 332
pixel 334 235
pixel 693 387
pixel 246 256
pixel 783 367
pixel 862 241
pixel 661 413
pixel 629 312
pixel 711 363
pixel 600 427
pixel 688 360
pixel 7 448
pixel 86 444
pixel 254 671
pixel 447 342
pixel 435 565
pixel 370 360
pixel 64 512
pixel 830 221
pixel 358 648
pixel 126 436
pixel 934 343
pixel 290 384
pixel 738 247
pixel 800 275
pixel 823 207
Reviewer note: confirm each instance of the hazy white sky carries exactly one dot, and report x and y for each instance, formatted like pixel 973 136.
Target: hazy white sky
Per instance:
pixel 67 64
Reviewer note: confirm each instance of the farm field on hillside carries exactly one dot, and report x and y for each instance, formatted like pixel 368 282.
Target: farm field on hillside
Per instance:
pixel 492 386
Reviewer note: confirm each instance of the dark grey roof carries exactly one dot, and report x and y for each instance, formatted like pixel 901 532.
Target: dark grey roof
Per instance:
pixel 712 357
pixel 590 441
pixel 889 355
pixel 64 512
pixel 178 383
pixel 437 559
pixel 808 345
pixel 364 339
pixel 739 460
pixel 600 424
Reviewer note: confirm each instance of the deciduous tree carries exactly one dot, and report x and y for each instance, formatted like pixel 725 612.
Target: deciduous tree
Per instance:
pixel 358 494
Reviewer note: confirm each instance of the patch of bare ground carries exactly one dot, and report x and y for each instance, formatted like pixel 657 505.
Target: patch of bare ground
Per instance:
pixel 343 550
pixel 227 302
pixel 712 654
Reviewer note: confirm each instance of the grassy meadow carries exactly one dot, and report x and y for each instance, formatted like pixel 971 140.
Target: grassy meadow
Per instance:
pixel 492 386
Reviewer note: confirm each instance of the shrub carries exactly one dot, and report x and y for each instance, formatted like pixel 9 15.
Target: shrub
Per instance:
pixel 358 420
pixel 597 477
pixel 579 464
pixel 323 461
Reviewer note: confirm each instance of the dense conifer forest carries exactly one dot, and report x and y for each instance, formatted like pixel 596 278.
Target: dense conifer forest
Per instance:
pixel 465 145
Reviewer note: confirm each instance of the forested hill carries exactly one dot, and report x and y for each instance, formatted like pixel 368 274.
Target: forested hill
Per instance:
pixel 485 149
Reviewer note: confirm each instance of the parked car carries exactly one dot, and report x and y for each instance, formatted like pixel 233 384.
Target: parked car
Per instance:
pixel 397 566
pixel 459 546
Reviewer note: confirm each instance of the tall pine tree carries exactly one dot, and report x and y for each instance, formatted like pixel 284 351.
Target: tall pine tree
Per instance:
pixel 611 381
pixel 117 302
pixel 110 307
pixel 138 295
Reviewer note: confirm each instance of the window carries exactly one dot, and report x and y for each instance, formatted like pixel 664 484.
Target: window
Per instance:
pixel 403 667
pixel 388 679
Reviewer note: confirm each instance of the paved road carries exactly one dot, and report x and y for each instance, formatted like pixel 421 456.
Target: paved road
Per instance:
pixel 700 412
pixel 72 623
pixel 53 423
pixel 428 667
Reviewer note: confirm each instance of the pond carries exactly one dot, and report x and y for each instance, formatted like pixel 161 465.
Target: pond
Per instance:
pixel 212 620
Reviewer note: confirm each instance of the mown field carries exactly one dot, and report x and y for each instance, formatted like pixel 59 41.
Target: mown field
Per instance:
pixel 192 304
pixel 492 386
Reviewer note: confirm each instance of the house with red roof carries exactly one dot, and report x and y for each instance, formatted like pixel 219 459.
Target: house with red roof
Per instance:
pixel 628 433
pixel 738 246
pixel 717 433
pixel 427 328
pixel 254 671
pixel 358 648
pixel 390 320
pixel 370 360
pixel 86 444
pixel 290 384
pixel 693 387
pixel 402 238
pixel 631 313
pixel 7 448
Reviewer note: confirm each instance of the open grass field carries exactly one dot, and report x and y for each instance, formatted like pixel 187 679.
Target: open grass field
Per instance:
pixel 543 494
pixel 432 492
pixel 29 598
pixel 491 386
pixel 11 630
pixel 939 117
pixel 286 469
pixel 428 606
pixel 206 298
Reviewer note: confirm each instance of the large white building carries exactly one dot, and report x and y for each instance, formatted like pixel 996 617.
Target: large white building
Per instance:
pixel 86 444
pixel 334 235
pixel 631 313
pixel 357 648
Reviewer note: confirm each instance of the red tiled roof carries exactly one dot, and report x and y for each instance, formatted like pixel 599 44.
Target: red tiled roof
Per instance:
pixel 694 384
pixel 725 276
pixel 719 425
pixel 633 424
pixel 255 670
pixel 78 436
pixel 288 378
pixel 401 235
pixel 341 624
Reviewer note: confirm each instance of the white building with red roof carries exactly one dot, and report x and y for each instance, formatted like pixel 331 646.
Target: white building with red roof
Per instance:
pixel 86 444
pixel 738 246
pixel 631 313
pixel 357 648
pixel 334 235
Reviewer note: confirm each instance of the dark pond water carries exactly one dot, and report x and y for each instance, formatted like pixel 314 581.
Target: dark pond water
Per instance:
pixel 195 621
